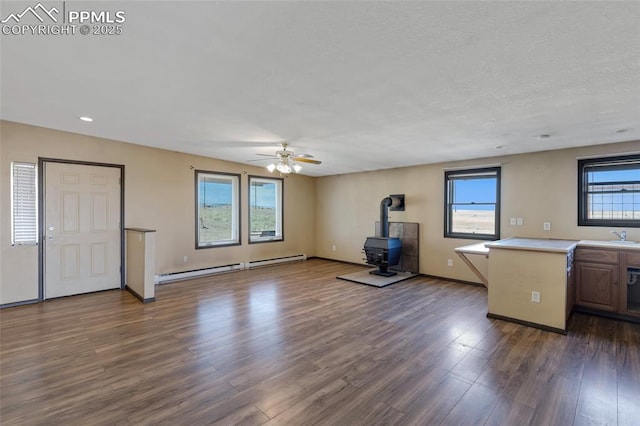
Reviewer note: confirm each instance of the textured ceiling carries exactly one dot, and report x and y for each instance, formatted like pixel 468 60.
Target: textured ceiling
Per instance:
pixel 360 85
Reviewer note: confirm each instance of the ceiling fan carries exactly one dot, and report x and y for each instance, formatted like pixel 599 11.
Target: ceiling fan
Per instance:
pixel 287 161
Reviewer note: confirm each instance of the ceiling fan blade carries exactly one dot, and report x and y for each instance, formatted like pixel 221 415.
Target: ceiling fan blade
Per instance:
pixel 306 160
pixel 268 155
pixel 261 159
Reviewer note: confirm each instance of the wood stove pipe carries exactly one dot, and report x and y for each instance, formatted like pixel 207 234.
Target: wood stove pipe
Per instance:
pixel 395 202
pixel 384 216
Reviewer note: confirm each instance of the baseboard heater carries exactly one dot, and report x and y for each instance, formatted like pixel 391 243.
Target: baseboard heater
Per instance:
pixel 266 262
pixel 177 276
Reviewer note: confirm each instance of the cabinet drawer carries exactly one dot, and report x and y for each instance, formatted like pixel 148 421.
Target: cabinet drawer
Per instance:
pixel 596 255
pixel 633 259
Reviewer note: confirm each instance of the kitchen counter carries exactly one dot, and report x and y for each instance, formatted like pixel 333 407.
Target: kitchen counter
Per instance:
pixel 617 245
pixel 477 248
pixel 534 244
pixel 531 280
pixel 527 244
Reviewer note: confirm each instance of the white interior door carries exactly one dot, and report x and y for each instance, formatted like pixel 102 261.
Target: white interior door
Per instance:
pixel 82 225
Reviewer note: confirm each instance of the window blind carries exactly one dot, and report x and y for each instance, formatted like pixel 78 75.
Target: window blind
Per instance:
pixel 24 200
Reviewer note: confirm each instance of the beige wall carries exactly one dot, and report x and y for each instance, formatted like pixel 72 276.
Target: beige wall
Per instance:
pixel 319 213
pixel 539 187
pixel 159 194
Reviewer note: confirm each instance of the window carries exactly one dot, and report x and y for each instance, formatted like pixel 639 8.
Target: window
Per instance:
pixel 609 191
pixel 24 205
pixel 265 209
pixel 472 203
pixel 217 209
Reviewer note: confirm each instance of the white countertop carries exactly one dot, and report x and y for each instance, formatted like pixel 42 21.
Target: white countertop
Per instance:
pixel 534 244
pixel 477 248
pixel 560 246
pixel 621 245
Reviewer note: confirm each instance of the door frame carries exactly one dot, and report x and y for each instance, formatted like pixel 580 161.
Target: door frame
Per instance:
pixel 41 213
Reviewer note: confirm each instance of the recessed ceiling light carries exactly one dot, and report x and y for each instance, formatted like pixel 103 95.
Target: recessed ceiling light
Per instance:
pixel 544 136
pixel 622 130
pixel 84 118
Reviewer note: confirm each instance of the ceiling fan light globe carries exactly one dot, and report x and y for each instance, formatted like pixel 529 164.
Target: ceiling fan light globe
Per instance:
pixel 284 168
pixel 297 168
pixel 271 167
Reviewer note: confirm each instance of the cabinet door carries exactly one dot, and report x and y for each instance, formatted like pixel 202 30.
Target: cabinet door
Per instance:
pixel 597 286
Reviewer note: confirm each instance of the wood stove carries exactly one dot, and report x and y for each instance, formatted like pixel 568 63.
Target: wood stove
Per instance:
pixel 383 251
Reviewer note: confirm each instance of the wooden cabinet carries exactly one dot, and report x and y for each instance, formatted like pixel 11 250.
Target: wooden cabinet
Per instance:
pixel 601 280
pixel 632 259
pixel 597 286
pixel 597 255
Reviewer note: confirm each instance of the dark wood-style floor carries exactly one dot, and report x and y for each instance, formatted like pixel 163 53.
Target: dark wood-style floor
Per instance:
pixel 293 345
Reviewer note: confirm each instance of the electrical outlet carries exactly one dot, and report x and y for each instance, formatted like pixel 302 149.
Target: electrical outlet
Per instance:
pixel 449 262
pixel 333 247
pixel 185 259
pixel 512 221
pixel 535 296
pixel 546 226
pixel 519 221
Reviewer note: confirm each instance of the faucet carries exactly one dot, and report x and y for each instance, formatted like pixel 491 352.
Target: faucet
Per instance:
pixel 622 235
